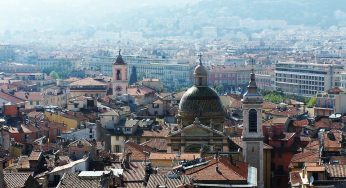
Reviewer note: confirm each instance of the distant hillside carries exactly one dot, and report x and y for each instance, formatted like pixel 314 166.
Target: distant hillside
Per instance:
pixel 323 13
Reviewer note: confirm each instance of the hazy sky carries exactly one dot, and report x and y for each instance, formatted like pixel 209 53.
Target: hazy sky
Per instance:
pixel 18 14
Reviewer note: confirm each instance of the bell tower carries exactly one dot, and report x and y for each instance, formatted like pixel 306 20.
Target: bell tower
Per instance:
pixel 119 78
pixel 252 128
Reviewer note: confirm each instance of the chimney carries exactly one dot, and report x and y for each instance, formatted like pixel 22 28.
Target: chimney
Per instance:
pixel 127 160
pixel 148 171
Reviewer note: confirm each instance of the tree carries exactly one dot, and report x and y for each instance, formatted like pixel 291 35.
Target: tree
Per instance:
pixel 133 77
pixel 311 102
pixel 54 75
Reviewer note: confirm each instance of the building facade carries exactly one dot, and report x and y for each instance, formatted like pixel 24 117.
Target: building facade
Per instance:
pixel 172 73
pixel 331 102
pixel 306 79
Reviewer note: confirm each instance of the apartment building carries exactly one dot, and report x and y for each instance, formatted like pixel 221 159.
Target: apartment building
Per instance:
pixel 173 74
pixel 230 77
pixel 306 79
pixel 330 102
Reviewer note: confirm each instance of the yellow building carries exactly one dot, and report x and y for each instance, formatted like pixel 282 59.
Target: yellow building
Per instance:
pixel 72 121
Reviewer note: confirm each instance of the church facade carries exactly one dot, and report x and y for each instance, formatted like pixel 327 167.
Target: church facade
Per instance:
pixel 200 119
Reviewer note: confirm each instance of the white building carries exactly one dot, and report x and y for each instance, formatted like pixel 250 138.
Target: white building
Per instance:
pixel 306 79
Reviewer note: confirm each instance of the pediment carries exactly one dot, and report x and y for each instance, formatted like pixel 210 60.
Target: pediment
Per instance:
pixel 196 131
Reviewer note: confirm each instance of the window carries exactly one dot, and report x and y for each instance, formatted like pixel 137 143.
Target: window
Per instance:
pixel 31 102
pixel 117 148
pixel 117 138
pixel 252 120
pixel 118 76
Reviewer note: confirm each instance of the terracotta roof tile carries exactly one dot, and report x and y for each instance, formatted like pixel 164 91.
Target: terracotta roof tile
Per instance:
pixel 336 171
pixel 138 152
pixel 87 82
pixel 158 144
pixel 14 180
pixel 332 139
pixel 171 156
pixel 70 180
pixel 161 133
pixel 300 123
pixel 10 98
pixel 325 123
pixel 133 174
pixel 308 156
pixel 156 180
pixel 237 140
pixel 29 96
pixel 35 155
pixel 226 171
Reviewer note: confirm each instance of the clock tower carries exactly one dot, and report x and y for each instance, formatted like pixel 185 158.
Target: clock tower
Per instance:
pixel 119 79
pixel 252 129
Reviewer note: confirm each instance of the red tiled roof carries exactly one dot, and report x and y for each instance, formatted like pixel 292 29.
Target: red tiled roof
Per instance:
pixel 87 82
pixel 14 180
pixel 159 144
pixel 301 123
pixel 10 98
pixel 156 180
pixel 325 123
pixel 235 103
pixel 133 174
pixel 313 145
pixel 226 171
pixel 332 139
pixel 268 105
pixel 138 152
pixel 239 142
pixel 161 133
pixel 35 155
pixel 336 171
pixel 29 96
pixel 171 156
pixel 142 90
pixel 287 113
pixel 307 156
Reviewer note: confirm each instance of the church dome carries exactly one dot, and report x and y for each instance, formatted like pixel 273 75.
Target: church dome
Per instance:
pixel 200 102
pixel 200 70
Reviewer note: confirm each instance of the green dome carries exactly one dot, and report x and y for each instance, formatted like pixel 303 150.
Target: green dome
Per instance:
pixel 200 101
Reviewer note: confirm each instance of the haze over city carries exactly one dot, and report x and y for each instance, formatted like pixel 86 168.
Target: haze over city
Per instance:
pixel 172 94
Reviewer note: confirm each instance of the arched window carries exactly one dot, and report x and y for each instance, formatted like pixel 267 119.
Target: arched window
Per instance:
pixel 118 75
pixel 252 120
